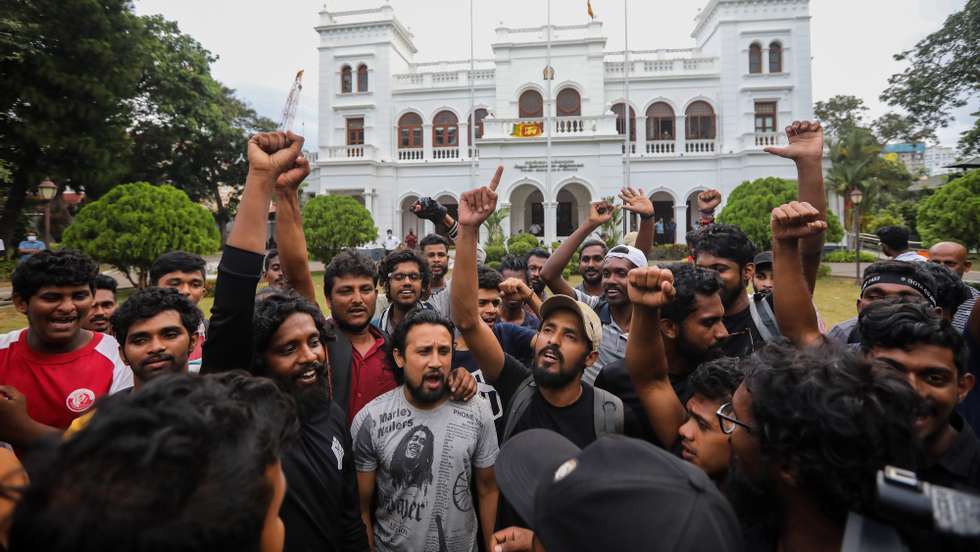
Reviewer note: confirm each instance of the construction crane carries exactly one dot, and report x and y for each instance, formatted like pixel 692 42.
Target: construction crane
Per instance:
pixel 292 102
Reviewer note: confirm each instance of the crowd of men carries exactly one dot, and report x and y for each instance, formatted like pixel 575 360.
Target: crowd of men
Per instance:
pixel 648 408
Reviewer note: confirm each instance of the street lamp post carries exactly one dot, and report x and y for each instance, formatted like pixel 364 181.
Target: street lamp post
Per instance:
pixel 47 190
pixel 856 197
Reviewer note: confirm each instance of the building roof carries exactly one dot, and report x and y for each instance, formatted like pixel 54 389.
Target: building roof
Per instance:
pixel 968 163
pixel 929 183
pixel 917 147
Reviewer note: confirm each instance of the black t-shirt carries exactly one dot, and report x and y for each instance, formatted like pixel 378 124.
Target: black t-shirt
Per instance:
pixel 575 422
pixel 743 337
pixel 321 510
pixel 959 466
pixel 500 393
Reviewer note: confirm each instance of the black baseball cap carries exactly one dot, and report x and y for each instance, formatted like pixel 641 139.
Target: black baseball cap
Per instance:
pixel 763 258
pixel 615 494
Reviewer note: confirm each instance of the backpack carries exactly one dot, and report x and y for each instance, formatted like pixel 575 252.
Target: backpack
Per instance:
pixel 763 317
pixel 607 411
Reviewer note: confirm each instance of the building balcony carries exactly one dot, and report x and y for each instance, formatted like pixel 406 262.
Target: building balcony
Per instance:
pixel 359 152
pixel 759 140
pixel 447 77
pixel 661 148
pixel 678 67
pixel 561 127
pixel 699 147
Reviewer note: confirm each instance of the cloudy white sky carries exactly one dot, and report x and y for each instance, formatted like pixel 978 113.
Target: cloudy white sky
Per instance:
pixel 261 45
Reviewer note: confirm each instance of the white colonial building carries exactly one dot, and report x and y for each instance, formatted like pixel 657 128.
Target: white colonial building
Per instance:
pixel 392 129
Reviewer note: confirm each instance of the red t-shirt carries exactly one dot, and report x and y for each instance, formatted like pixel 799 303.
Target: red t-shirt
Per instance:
pixel 61 387
pixel 369 376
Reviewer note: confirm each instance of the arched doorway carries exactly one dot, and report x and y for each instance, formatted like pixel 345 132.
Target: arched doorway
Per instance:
pixel 408 219
pixel 527 210
pixel 663 218
pixel 573 208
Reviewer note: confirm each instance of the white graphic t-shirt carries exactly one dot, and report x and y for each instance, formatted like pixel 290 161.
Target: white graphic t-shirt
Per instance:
pixel 424 461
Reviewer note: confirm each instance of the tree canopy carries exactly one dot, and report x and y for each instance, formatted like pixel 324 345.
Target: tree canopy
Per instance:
pixel 840 113
pixel 750 206
pixel 943 74
pixel 133 224
pixel 952 212
pixel 333 222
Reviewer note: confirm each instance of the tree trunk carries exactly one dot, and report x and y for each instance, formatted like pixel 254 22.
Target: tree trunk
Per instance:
pixel 220 214
pixel 16 198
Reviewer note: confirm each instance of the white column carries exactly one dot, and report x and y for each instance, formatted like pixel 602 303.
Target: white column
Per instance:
pixel 641 135
pixel 506 221
pixel 680 222
pixel 429 228
pixel 427 141
pixel 680 132
pixel 462 138
pixel 550 221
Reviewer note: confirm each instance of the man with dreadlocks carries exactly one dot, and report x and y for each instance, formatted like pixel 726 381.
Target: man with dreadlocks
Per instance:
pixel 283 337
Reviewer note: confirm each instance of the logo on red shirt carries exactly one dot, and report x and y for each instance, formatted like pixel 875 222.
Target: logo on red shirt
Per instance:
pixel 80 399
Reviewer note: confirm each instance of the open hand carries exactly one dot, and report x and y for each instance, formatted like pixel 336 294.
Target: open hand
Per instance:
pixel 513 539
pixel 709 200
pixel 651 286
pixel 475 206
pixel 805 142
pixel 796 220
pixel 636 201
pixel 601 212
pixel 280 156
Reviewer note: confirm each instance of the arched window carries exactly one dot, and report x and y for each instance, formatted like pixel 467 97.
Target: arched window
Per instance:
pixel 660 122
pixel 345 80
pixel 530 105
pixel 700 121
pixel 410 131
pixel 621 122
pixel 775 58
pixel 569 103
pixel 478 129
pixel 755 58
pixel 362 78
pixel 445 130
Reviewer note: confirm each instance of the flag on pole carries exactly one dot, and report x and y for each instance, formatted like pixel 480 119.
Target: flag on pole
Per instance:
pixel 588 5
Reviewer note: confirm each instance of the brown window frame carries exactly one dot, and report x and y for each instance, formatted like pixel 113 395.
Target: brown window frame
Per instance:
pixel 362 78
pixel 765 118
pixel 661 126
pixel 409 135
pixel 621 121
pixel 481 114
pixel 755 58
pixel 561 110
pixel 346 80
pixel 700 126
pixel 775 57
pixel 523 110
pixel 355 134
pixel 445 134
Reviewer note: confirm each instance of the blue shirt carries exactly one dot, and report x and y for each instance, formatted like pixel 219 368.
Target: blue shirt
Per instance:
pixel 37 245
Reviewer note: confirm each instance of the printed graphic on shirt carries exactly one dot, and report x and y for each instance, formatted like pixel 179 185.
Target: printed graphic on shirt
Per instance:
pixel 489 393
pixel 338 453
pixel 80 400
pixel 424 461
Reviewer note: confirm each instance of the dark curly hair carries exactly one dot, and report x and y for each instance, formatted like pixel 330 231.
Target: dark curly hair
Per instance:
pixel 895 237
pixel 725 241
pixel 514 264
pixel 415 317
pixel 717 380
pixel 689 282
pixel 433 239
pixel 149 302
pixel 395 258
pixel 348 263
pixel 183 459
pixel 487 277
pixel 270 313
pixel 896 323
pixel 65 267
pixel 834 418
pixel 106 282
pixel 951 292
pixel 176 261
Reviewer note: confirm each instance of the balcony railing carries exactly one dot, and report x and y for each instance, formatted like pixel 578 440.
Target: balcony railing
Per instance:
pixel 764 139
pixel 662 67
pixel 699 146
pixel 410 154
pixel 358 151
pixel 661 147
pixel 445 153
pixel 603 125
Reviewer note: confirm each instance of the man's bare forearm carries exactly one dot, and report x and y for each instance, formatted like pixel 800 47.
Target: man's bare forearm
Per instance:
pixel 292 244
pixel 555 265
pixel 646 360
pixel 792 301
pixel 249 231
pixel 811 190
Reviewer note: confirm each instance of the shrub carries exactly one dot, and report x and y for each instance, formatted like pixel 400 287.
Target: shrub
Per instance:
pixel 521 243
pixel 495 252
pixel 669 252
pixel 952 212
pixel 847 256
pixel 334 222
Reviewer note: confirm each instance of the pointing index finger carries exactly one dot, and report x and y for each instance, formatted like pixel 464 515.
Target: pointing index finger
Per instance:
pixel 495 181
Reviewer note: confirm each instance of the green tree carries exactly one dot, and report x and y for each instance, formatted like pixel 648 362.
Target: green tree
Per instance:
pixel 750 206
pixel 953 212
pixel 522 243
pixel 856 163
pixel 133 224
pixel 881 219
pixel 189 130
pixel 943 74
pixel 892 127
pixel 840 113
pixel 495 226
pixel 334 222
pixel 68 70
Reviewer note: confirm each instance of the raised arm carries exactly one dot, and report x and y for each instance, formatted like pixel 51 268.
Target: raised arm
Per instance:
pixel 274 158
pixel 806 150
pixel 291 240
pixel 650 288
pixel 791 224
pixel 600 213
pixel 474 208
pixel 637 202
pixel 708 201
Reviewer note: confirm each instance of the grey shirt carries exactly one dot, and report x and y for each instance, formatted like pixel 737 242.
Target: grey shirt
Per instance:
pixel 613 345
pixel 424 461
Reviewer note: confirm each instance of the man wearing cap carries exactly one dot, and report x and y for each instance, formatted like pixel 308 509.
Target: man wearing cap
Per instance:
pixel 615 494
pixel 551 394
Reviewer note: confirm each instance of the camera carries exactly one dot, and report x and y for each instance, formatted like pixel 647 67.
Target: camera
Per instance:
pixel 947 511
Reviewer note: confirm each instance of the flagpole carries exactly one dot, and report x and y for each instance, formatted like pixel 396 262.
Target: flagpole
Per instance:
pixel 549 75
pixel 626 107
pixel 472 125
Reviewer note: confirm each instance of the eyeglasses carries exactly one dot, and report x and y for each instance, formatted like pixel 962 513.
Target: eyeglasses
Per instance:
pixel 728 421
pixel 402 276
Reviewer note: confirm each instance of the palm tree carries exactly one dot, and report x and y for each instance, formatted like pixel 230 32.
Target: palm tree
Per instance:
pixel 495 226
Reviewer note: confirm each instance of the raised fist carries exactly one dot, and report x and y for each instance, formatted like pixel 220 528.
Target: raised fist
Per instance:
pixel 796 220
pixel 476 205
pixel 636 201
pixel 430 209
pixel 651 287
pixel 280 156
pixel 805 142
pixel 514 287
pixel 601 212
pixel 709 200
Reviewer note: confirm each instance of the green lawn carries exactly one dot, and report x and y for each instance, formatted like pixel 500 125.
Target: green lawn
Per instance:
pixel 834 299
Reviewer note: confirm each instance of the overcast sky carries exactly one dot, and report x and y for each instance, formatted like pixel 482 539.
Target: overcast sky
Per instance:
pixel 261 45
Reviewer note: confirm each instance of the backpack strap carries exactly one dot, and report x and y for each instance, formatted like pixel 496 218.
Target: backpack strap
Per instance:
pixel 763 318
pixel 518 406
pixel 607 413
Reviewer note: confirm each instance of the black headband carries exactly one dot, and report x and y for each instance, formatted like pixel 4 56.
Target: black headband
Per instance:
pixel 900 279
